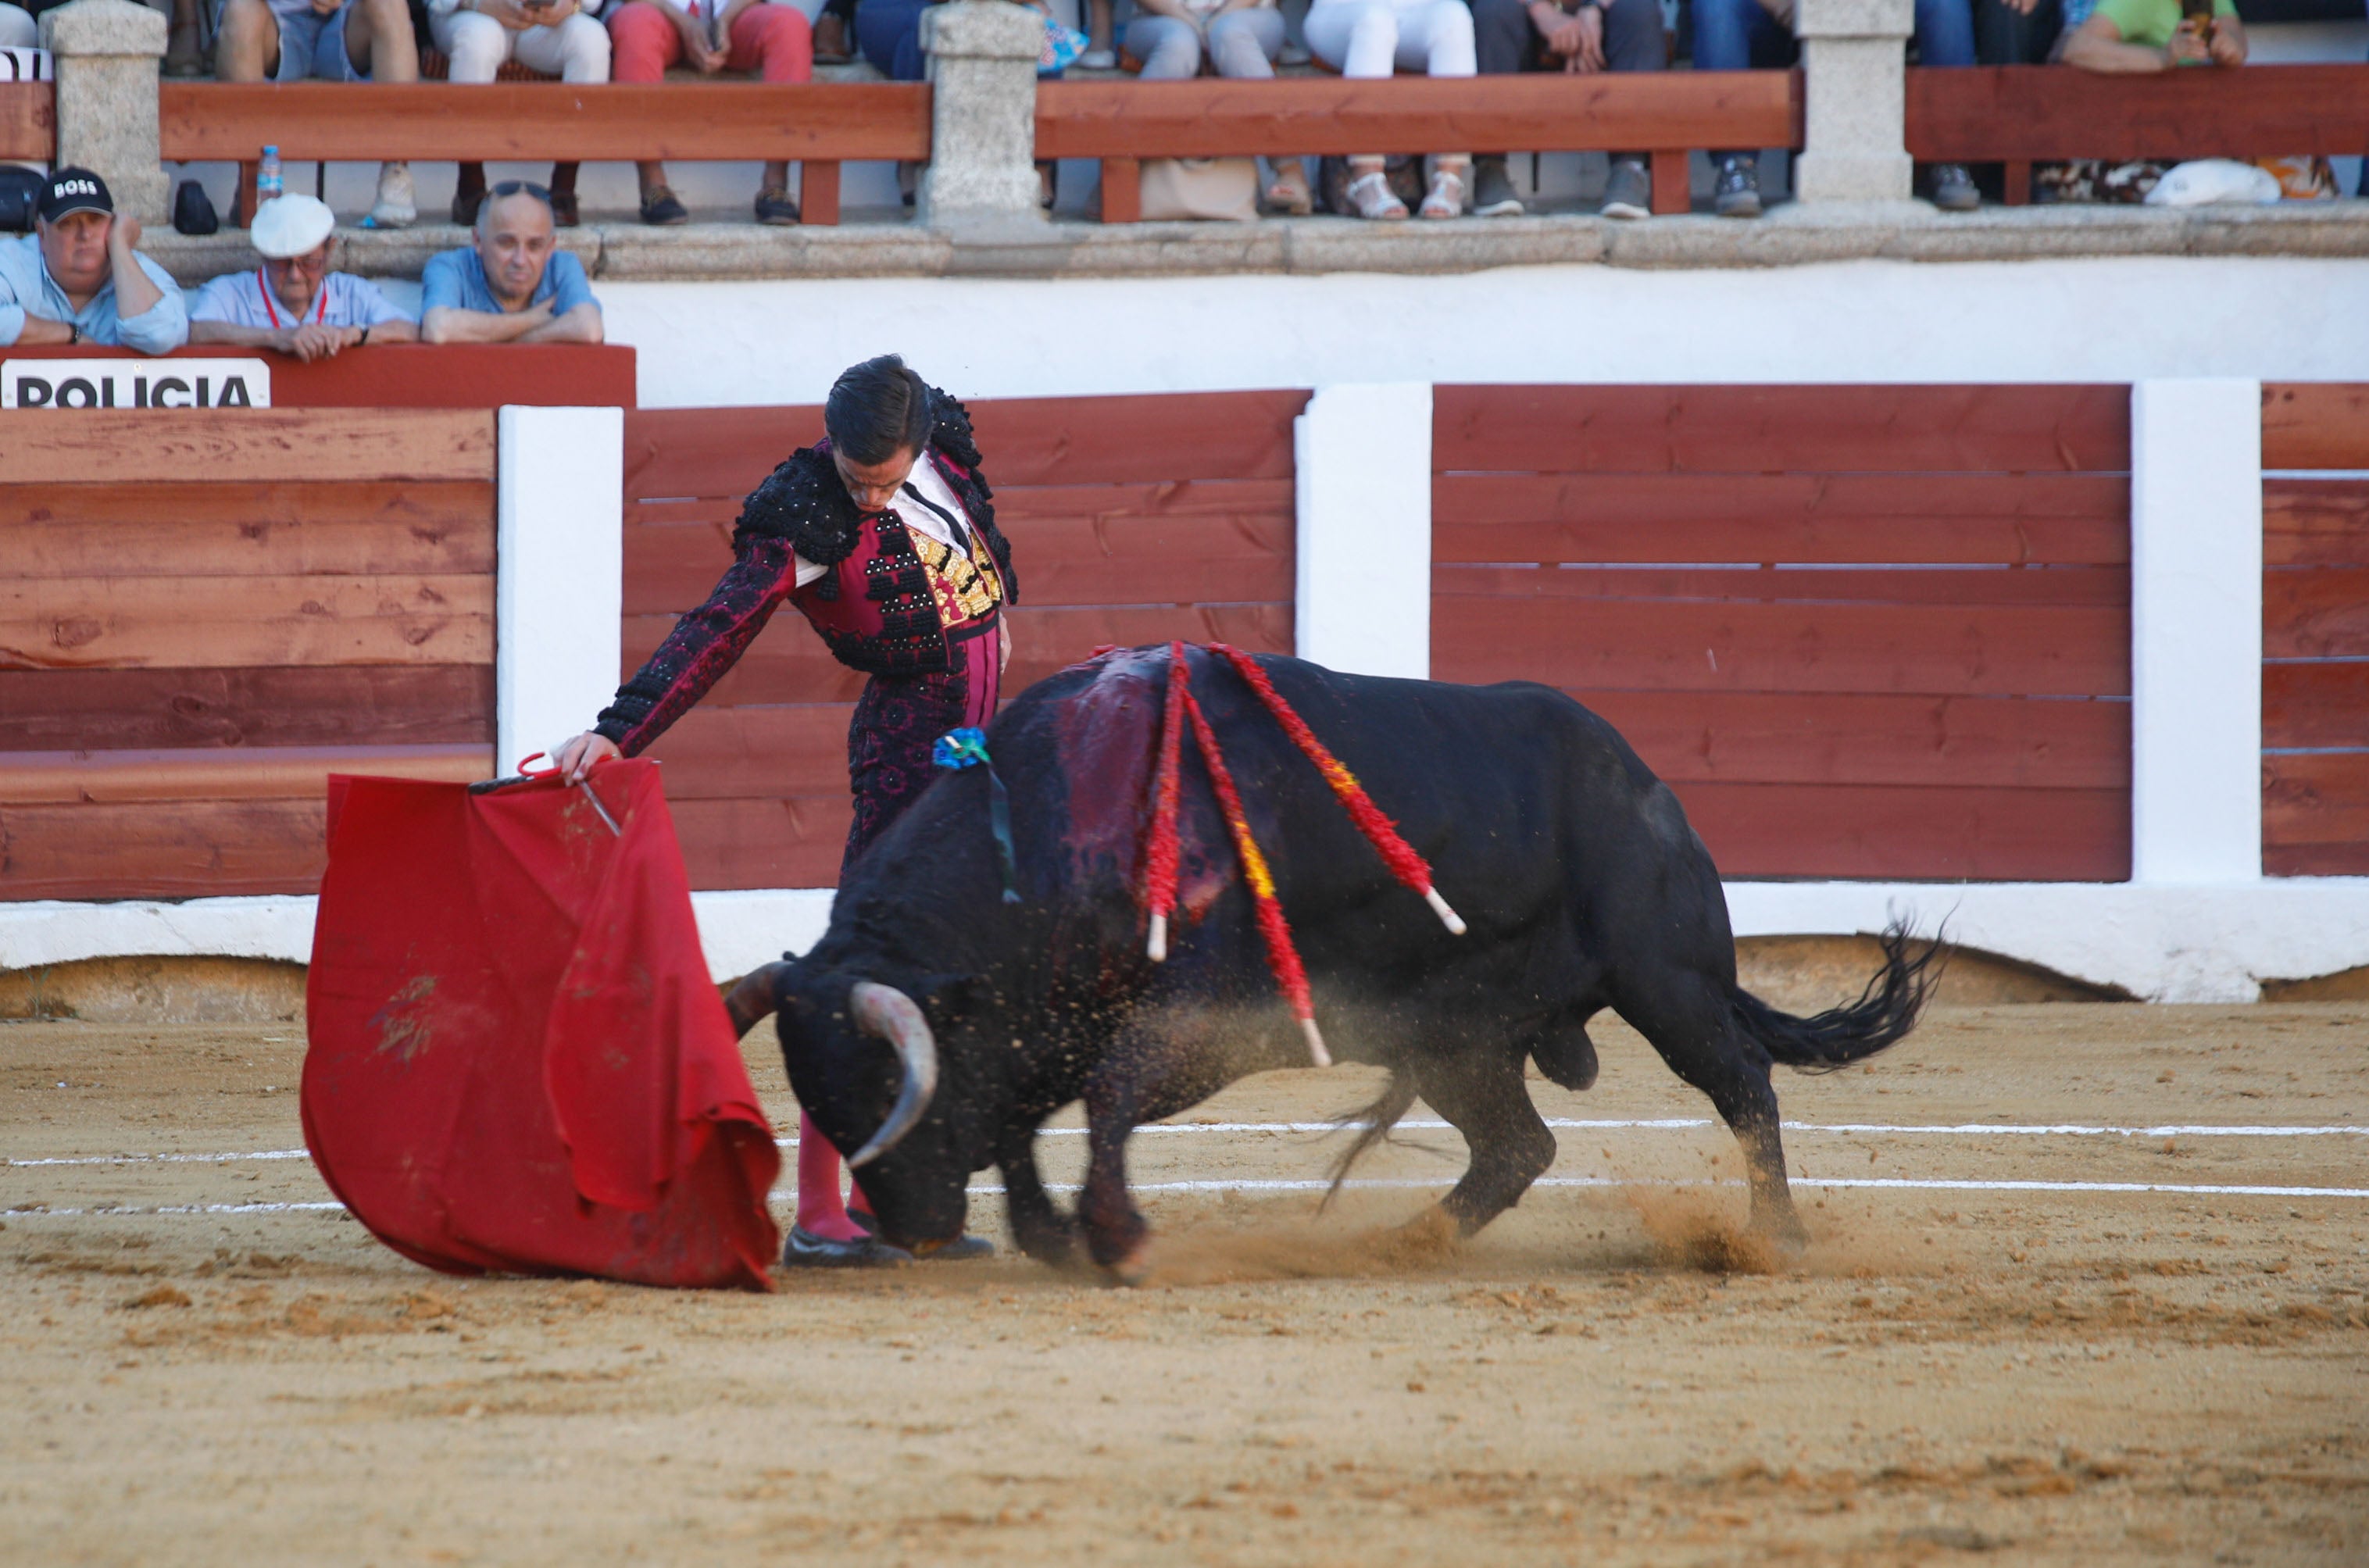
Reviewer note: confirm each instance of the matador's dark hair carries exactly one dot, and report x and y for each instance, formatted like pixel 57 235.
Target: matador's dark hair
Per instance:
pixel 878 409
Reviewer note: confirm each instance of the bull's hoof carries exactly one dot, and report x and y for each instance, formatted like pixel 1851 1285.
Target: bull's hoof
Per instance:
pixel 1430 1236
pixel 1135 1269
pixel 1783 1235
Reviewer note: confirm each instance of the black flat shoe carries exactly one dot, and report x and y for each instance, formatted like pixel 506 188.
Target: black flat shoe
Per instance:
pixel 804 1248
pixel 660 208
pixel 776 208
pixel 962 1249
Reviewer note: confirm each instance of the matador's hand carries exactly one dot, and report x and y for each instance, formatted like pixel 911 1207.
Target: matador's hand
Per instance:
pixel 576 758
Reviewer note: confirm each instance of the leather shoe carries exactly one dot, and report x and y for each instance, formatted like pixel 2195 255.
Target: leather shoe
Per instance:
pixel 962 1249
pixel 804 1248
pixel 663 210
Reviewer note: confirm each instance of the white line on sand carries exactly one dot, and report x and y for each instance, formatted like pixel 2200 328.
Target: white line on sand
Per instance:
pixel 1383 1183
pixel 1662 1124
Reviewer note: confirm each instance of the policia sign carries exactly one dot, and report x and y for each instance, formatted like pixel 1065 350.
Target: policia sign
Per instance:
pixel 135 384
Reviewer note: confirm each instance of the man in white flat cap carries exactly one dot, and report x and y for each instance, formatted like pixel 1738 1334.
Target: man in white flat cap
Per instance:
pixel 291 301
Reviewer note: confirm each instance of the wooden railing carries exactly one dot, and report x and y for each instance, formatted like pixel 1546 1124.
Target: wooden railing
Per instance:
pixel 417 376
pixel 2021 114
pixel 1664 116
pixel 817 125
pixel 29 121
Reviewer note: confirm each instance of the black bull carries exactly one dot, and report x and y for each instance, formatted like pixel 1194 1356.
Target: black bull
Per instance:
pixel 1573 866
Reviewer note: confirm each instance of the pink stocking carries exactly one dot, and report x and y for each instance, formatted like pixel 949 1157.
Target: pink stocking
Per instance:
pixel 820 1212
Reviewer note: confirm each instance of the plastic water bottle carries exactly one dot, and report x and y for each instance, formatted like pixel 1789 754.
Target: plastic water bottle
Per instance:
pixel 266 174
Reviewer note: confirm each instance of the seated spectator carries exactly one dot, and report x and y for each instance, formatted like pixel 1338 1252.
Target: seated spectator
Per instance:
pixel 1371 38
pixel 1740 35
pixel 1242 38
pixel 1582 36
pixel 337 41
pixel 2150 35
pixel 888 33
pixel 557 38
pixel 714 35
pixel 512 286
pixel 79 277
pixel 2022 32
pixel 291 301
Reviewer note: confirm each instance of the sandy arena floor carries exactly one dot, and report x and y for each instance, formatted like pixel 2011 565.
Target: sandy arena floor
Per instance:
pixel 2084 1375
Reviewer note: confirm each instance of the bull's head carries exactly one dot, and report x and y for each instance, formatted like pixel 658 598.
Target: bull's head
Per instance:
pixel 863 1061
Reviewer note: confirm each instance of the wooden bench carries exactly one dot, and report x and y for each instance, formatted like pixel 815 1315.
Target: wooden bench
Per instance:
pixel 816 125
pixel 2021 114
pixel 1664 115
pixel 29 121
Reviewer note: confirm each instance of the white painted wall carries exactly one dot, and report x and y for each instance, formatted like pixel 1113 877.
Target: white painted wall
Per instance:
pixel 559 585
pixel 2196 631
pixel 1362 564
pixel 2100 320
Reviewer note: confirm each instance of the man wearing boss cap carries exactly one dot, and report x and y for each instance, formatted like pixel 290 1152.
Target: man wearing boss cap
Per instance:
pixel 78 278
pixel 291 301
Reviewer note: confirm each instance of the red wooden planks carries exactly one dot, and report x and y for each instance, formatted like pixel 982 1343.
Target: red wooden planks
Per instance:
pixel 2082 652
pixel 184 531
pixel 1990 517
pixel 719 752
pixel 2318 613
pixel 123 446
pixel 1961 587
pixel 1980 114
pixel 783 841
pixel 2315 522
pixel 1880 833
pixel 2315 424
pixel 223 772
pixel 1830 738
pixel 2316 815
pixel 476 376
pixel 359 705
pixel 2316 705
pixel 1776 430
pixel 192 849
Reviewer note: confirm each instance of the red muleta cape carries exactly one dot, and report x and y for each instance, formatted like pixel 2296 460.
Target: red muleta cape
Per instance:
pixel 517 1060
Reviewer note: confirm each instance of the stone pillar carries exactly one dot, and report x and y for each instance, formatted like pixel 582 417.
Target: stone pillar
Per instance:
pixel 1362 595
pixel 1854 62
pixel 2196 631
pixel 983 58
pixel 106 59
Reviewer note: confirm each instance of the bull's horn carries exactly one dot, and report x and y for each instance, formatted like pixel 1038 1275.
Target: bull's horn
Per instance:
pixel 888 1013
pixel 752 1000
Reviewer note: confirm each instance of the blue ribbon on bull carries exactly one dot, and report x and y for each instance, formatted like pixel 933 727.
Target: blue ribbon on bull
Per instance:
pixel 967 748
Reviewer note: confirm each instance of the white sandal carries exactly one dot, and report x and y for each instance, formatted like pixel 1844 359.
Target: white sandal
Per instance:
pixel 1446 198
pixel 1371 194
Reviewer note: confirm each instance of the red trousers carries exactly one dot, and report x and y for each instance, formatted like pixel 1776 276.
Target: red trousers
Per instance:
pixel 773 41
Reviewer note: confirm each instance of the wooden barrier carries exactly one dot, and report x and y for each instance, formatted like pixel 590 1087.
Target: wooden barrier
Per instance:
pixel 819 125
pixel 1132 520
pixel 1662 115
pixel 1863 632
pixel 2315 631
pixel 29 121
pixel 2021 114
pixel 417 376
pixel 204 614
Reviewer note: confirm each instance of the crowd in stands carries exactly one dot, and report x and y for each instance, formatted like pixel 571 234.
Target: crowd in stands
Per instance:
pixel 79 277
pixel 780 41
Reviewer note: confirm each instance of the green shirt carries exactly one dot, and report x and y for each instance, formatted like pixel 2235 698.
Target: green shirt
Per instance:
pixel 2151 22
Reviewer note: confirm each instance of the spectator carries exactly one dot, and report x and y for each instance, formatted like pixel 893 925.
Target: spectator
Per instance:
pixel 557 38
pixel 17 29
pixel 511 286
pixel 715 35
pixel 888 32
pixel 1371 38
pixel 291 301
pixel 2150 35
pixel 79 277
pixel 1099 55
pixel 1241 39
pixel 834 32
pixel 2022 32
pixel 1585 37
pixel 337 41
pixel 1739 35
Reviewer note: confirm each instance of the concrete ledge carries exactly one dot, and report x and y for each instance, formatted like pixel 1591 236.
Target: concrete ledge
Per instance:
pixel 2159 943
pixel 1792 235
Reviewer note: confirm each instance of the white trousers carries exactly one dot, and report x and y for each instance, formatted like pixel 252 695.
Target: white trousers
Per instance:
pixel 1372 38
pixel 575 51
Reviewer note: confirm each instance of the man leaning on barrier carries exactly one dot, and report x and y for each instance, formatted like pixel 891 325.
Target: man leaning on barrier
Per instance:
pixel 291 301
pixel 78 277
pixel 511 285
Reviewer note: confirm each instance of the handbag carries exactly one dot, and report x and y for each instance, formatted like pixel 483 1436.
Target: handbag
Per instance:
pixel 1224 188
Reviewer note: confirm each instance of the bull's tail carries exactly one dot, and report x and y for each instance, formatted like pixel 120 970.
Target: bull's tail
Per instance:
pixel 1882 1016
pixel 1373 1124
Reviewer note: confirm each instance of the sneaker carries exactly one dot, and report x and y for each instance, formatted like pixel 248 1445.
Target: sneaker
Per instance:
pixel 1738 194
pixel 1099 59
pixel 1630 192
pixel 661 208
pixel 1953 189
pixel 1492 190
pixel 776 207
pixel 396 207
